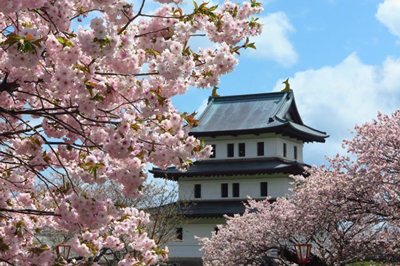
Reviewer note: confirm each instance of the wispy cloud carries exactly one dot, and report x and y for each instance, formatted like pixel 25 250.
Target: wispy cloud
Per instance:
pixel 335 98
pixel 274 43
pixel 202 107
pixel 389 15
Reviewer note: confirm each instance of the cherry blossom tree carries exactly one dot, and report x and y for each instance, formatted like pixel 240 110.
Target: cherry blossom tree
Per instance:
pixel 348 211
pixel 94 104
pixel 158 199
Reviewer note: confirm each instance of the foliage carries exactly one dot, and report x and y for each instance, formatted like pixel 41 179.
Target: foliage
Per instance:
pixel 349 211
pixel 94 105
pixel 157 199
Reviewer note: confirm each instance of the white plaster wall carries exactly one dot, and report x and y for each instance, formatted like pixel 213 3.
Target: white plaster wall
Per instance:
pixel 289 149
pixel 278 186
pixel 273 146
pixel 189 247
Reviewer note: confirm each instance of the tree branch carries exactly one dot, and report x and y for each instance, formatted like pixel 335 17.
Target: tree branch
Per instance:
pixel 30 211
pixel 132 19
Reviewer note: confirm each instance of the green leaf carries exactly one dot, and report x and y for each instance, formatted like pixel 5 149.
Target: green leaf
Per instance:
pixel 35 141
pixel 90 86
pixel 102 42
pixel 9 203
pixel 12 38
pixel 97 98
pixel 254 3
pixel 81 68
pixel 152 52
pixel 135 127
pixel 3 247
pixel 213 8
pixel 251 45
pixel 65 42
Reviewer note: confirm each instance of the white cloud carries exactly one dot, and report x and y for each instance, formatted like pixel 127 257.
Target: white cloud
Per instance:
pixel 273 43
pixel 335 98
pixel 388 14
pixel 202 107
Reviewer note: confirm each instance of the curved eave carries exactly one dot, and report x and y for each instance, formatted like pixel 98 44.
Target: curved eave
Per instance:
pixel 287 129
pixel 173 174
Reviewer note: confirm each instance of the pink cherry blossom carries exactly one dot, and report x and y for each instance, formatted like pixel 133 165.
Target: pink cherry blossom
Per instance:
pixel 349 211
pixel 88 101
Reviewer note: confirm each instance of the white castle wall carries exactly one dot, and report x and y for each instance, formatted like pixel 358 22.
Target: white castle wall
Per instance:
pixel 273 146
pixel 189 247
pixel 278 186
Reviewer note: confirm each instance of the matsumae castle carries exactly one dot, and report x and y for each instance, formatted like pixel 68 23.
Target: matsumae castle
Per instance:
pixel 258 142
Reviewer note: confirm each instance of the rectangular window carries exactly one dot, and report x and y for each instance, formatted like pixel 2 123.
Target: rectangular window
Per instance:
pixel 224 190
pixel 242 149
pixel 197 191
pixel 231 149
pixel 213 151
pixel 179 233
pixel 264 189
pixel 260 148
pixel 235 190
pixel 284 150
pixel 295 152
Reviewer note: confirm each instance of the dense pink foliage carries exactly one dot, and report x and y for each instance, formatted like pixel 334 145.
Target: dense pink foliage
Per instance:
pixel 93 104
pixel 349 211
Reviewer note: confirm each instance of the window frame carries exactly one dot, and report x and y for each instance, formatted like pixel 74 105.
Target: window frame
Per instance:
pixel 260 148
pixel 262 189
pixel 197 191
pixel 179 233
pixel 295 153
pixel 285 150
pixel 230 149
pixel 235 190
pixel 242 149
pixel 224 188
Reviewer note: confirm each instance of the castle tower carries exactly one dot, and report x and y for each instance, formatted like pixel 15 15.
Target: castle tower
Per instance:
pixel 258 142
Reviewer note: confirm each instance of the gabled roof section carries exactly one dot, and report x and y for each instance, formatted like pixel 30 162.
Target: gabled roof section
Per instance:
pixel 274 112
pixel 208 168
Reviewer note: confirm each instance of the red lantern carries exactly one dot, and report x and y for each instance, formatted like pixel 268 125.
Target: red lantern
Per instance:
pixel 303 252
pixel 63 251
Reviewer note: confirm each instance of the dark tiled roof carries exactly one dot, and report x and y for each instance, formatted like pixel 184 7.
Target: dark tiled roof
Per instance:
pixel 232 167
pixel 214 208
pixel 253 114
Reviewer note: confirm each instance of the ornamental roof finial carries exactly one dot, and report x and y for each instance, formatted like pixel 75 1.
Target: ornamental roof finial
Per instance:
pixel 287 85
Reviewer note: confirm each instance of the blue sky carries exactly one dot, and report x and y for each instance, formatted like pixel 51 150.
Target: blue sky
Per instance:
pixel 342 58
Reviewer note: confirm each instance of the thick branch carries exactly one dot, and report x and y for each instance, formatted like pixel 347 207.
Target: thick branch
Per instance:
pixel 5 86
pixel 30 211
pixel 125 75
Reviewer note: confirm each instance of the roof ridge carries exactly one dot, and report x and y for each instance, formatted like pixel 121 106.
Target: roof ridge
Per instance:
pixel 247 96
pixel 285 102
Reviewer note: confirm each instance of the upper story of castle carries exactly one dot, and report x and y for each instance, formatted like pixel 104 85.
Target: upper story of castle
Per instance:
pixel 253 136
pixel 264 125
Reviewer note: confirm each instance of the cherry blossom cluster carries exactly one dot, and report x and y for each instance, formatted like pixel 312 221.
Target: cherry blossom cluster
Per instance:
pixel 349 211
pixel 85 98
